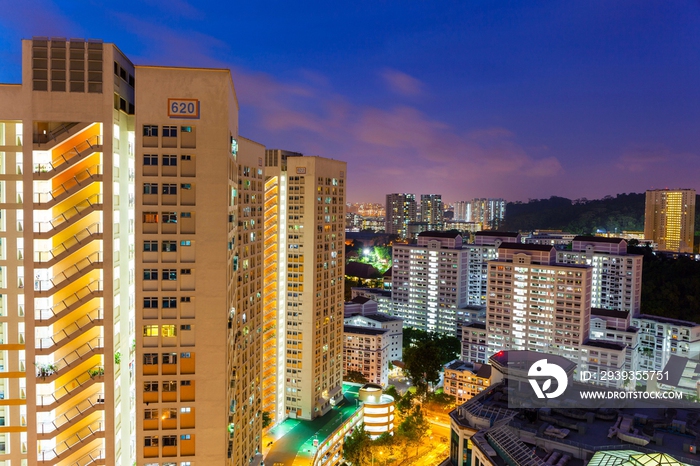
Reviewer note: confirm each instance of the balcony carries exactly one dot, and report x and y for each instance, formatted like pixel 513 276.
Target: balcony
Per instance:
pixel 70 389
pixel 83 324
pixel 76 154
pixel 48 316
pixel 68 188
pixel 71 360
pixel 72 444
pixel 45 230
pixel 45 288
pixel 50 430
pixel 95 457
pixel 44 259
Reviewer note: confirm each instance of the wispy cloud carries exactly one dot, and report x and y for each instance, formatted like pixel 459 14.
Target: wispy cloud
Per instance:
pixel 402 83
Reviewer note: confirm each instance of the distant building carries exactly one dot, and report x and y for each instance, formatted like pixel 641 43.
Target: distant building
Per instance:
pixel 615 326
pixel 465 380
pixel 552 238
pixel 489 212
pixel 429 281
pixel 432 210
pixel 474 344
pixel 660 337
pixel 463 211
pixel 366 350
pixel 380 296
pixel 400 211
pixel 359 305
pixel 669 219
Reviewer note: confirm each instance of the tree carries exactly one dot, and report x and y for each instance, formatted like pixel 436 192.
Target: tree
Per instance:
pixel 266 419
pixel 405 403
pixel 355 376
pixel 414 427
pixel 423 364
pixel 356 447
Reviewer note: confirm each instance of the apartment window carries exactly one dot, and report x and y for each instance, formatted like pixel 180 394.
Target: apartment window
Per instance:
pixel 150 188
pixel 169 246
pixel 186 186
pixel 185 299
pixel 169 131
pixel 186 129
pixel 186 214
pixel 170 386
pixel 185 437
pixel 170 440
pixel 185 355
pixel 186 243
pixel 170 160
pixel 170 413
pixel 150 274
pixel 150 130
pixel 186 409
pixel 150 386
pixel 169 358
pixel 185 271
pixel 150 441
pixel 150 414
pixel 150 330
pixel 168 331
pixel 150 217
pixel 185 383
pixel 169 303
pixel 186 157
pixel 150 303
pixel 169 217
pixel 168 188
pixel 150 358
pixel 150 246
pixel 186 327
pixel 150 159
pixel 169 274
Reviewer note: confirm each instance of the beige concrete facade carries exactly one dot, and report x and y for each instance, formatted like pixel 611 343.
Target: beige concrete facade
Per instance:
pixel 669 219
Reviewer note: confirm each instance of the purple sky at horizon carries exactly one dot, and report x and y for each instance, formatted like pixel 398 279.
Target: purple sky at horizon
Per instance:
pixel 468 99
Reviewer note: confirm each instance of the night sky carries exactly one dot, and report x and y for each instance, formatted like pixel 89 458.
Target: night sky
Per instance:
pixel 466 99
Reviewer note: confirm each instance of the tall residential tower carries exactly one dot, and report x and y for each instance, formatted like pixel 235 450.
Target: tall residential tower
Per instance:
pixel 669 219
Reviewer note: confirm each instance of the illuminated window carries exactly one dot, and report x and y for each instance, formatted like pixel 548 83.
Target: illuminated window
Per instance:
pixel 150 414
pixel 170 386
pixel 150 330
pixel 150 441
pixel 150 217
pixel 169 331
pixel 150 386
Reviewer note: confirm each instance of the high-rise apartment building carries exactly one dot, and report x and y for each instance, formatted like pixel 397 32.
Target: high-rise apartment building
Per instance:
pixel 617 276
pixel 429 281
pixel 131 311
pixel 669 219
pixel 489 212
pixel 484 249
pixel 400 211
pixel 536 304
pixel 432 210
pixel 463 211
pixel 304 209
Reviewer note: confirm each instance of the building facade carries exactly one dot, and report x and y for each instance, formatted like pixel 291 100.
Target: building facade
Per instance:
pixel 429 281
pixel 669 219
pixel 431 209
pixel 393 324
pixel 304 206
pixel 366 350
pixel 484 249
pixel 401 210
pixel 464 380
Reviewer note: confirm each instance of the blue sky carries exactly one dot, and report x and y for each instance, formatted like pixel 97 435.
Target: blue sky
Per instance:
pixel 468 99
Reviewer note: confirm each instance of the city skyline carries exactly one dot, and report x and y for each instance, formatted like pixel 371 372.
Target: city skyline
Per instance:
pixel 470 101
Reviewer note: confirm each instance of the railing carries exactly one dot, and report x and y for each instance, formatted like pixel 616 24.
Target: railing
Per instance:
pixel 93 144
pixel 51 135
pixel 70 303
pixel 63 365
pixel 88 320
pixel 75 413
pixel 65 188
pixel 76 385
pixel 86 264
pixel 65 217
pixel 86 434
pixel 96 456
pixel 66 246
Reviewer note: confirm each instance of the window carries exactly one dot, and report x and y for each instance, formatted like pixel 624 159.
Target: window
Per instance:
pixel 150 386
pixel 186 157
pixel 186 186
pixel 150 330
pixel 186 327
pixel 170 386
pixel 169 246
pixel 185 383
pixel 185 299
pixel 185 355
pixel 150 217
pixel 150 188
pixel 150 130
pixel 168 331
pixel 150 246
pixel 186 409
pixel 185 271
pixel 150 441
pixel 186 129
pixel 170 413
pixel 170 160
pixel 150 302
pixel 186 243
pixel 169 303
pixel 185 437
pixel 169 440
pixel 150 414
pixel 169 358
pixel 186 214
pixel 169 217
pixel 150 358
pixel 150 274
pixel 168 188
pixel 150 159
pixel 169 131
pixel 169 274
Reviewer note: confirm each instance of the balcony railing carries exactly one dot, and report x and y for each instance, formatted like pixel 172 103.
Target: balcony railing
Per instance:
pixel 68 158
pixel 68 187
pixel 70 274
pixel 84 323
pixel 70 216
pixel 71 303
pixel 48 258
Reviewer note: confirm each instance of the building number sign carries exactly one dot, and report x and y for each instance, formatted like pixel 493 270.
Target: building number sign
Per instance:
pixel 183 108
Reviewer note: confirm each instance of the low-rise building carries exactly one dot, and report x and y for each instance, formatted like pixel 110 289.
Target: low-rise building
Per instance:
pixel 393 324
pixel 474 344
pixel 660 337
pixel 366 350
pixel 464 380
